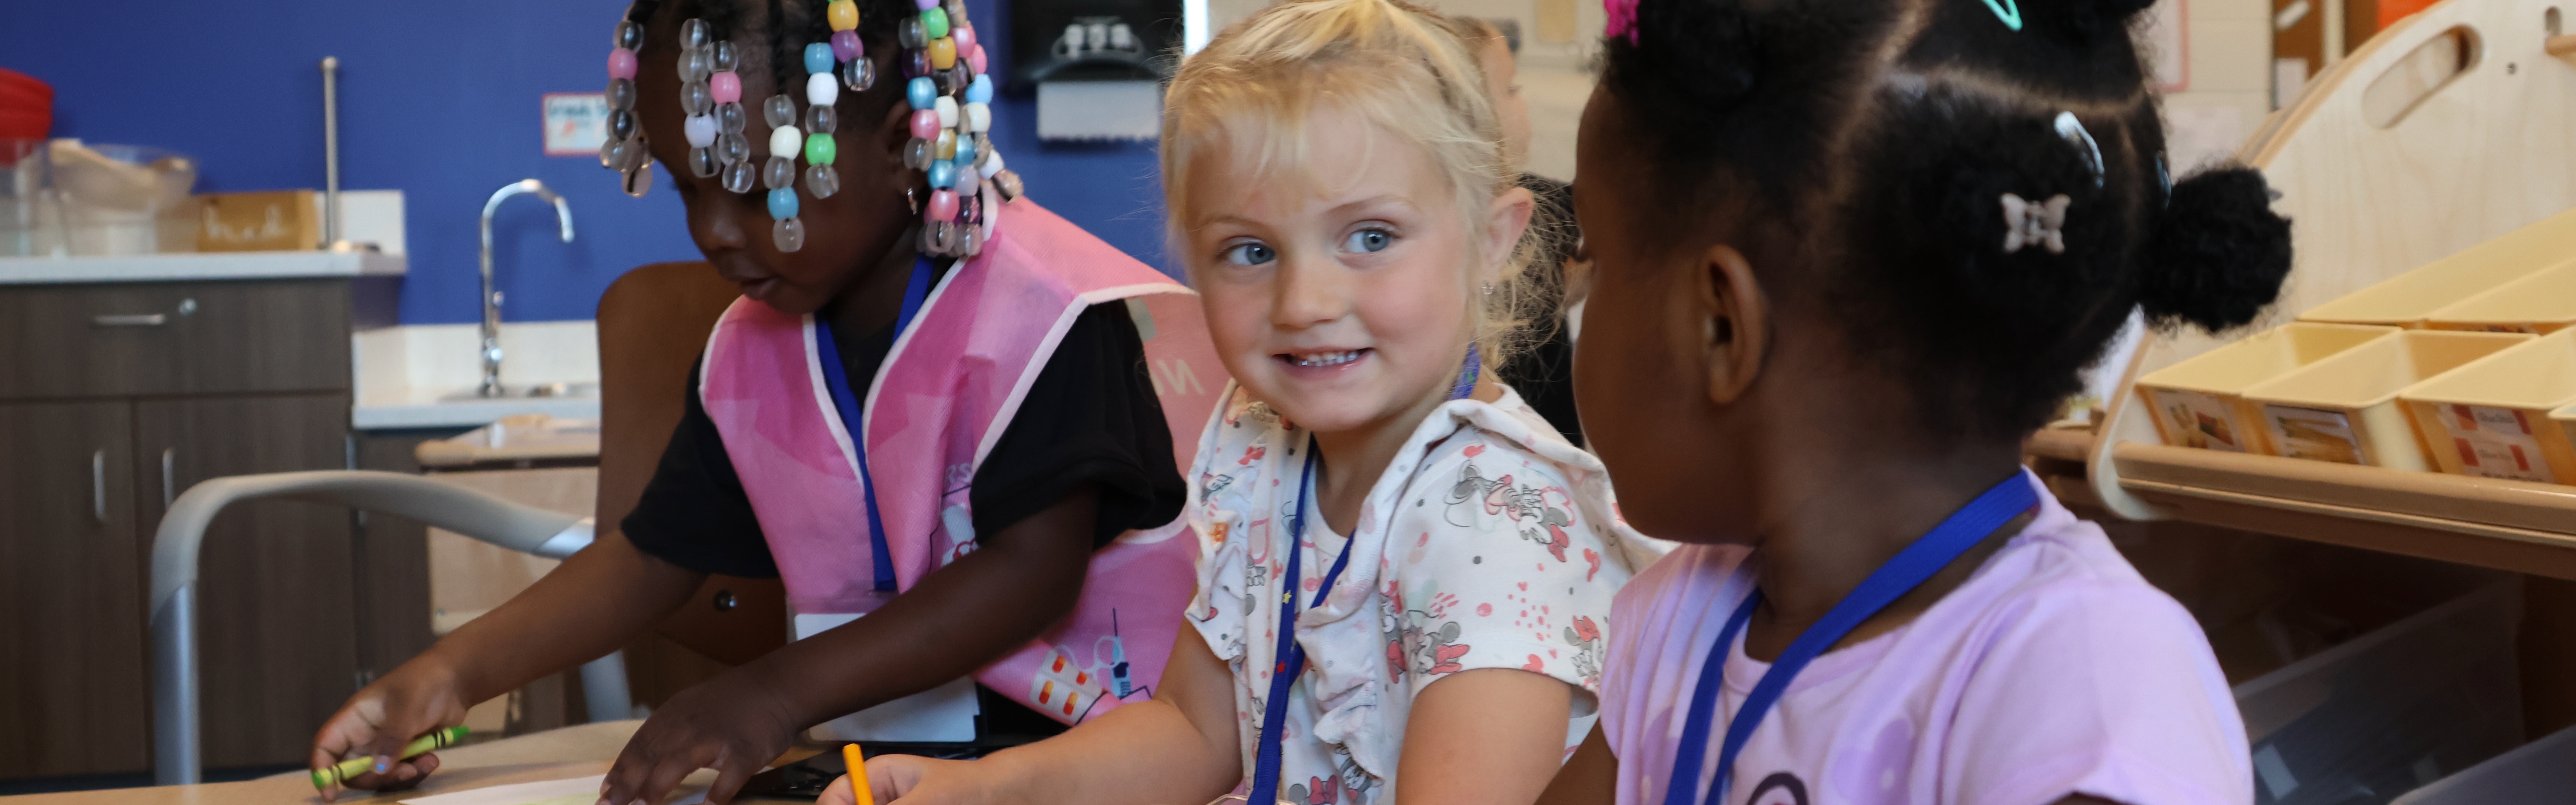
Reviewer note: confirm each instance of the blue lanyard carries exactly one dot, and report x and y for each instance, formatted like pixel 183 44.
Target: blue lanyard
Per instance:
pixel 1906 571
pixel 1292 655
pixel 836 378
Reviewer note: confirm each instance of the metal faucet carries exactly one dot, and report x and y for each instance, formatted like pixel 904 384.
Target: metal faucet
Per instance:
pixel 492 298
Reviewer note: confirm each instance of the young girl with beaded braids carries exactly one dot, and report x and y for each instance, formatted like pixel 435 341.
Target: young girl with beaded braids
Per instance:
pixel 856 425
pixel 1847 255
pixel 1405 598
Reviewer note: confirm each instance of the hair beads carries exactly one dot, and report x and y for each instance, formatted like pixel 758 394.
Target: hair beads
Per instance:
pixel 951 101
pixel 946 87
pixel 779 173
pixel 697 96
pixel 733 152
pixel 624 152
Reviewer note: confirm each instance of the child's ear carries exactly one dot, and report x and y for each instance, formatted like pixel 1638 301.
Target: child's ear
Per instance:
pixel 1733 322
pixel 1504 223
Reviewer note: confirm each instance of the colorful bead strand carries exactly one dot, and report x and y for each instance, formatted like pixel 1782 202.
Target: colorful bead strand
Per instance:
pixel 951 98
pixel 946 85
pixel 697 66
pixel 624 151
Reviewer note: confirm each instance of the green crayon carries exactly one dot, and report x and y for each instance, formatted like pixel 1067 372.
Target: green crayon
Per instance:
pixel 435 739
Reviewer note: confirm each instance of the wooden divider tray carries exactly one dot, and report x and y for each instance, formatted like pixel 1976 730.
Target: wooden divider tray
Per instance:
pixel 2510 525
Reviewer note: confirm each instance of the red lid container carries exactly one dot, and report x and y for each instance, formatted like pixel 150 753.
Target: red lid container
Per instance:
pixel 26 107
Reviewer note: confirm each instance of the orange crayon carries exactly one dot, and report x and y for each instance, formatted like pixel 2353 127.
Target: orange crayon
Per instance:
pixel 859 788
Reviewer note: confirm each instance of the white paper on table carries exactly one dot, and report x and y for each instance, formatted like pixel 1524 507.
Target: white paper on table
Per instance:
pixel 942 714
pixel 570 791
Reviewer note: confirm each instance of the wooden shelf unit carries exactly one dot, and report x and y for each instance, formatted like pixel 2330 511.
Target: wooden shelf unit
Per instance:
pixel 2474 156
pixel 2515 526
pixel 2388 161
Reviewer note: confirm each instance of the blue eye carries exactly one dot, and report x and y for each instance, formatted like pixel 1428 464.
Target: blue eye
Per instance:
pixel 1249 254
pixel 1369 240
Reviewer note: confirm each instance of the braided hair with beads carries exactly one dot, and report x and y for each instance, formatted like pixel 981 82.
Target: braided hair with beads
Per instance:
pixel 944 65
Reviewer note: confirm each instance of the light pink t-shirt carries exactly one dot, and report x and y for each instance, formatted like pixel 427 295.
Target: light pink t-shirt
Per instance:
pixel 2055 670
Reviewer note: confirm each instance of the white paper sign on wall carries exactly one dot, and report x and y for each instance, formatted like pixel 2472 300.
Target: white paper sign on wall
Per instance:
pixel 576 123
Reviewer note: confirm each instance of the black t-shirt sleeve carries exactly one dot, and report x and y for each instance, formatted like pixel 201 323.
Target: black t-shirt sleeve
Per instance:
pixel 694 512
pixel 1090 417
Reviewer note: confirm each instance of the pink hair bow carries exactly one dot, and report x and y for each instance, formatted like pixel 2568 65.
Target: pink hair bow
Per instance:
pixel 1623 19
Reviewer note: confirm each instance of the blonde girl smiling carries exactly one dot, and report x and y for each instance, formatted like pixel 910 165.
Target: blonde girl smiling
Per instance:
pixel 1438 559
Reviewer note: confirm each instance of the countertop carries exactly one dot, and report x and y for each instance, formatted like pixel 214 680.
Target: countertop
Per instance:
pixel 513 441
pixel 432 409
pixel 198 266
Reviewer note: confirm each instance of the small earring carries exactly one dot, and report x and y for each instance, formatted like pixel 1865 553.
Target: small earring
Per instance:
pixel 909 200
pixel 1489 289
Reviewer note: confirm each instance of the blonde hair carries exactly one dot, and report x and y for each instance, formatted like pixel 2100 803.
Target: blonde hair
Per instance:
pixel 1398 66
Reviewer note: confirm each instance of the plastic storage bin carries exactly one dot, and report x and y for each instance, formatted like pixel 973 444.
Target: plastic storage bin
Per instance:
pixel 2543 303
pixel 2406 300
pixel 2344 408
pixel 2392 710
pixel 2199 402
pixel 2540 773
pixel 2491 418
pixel 124 199
pixel 30 221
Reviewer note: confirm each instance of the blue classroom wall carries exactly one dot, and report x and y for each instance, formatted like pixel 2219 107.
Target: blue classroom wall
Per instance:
pixel 441 100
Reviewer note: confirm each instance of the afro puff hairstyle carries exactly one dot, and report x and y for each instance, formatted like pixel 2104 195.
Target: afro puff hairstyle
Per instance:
pixel 1867 145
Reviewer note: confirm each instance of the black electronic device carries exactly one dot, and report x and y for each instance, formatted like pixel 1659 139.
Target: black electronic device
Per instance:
pixel 1093 40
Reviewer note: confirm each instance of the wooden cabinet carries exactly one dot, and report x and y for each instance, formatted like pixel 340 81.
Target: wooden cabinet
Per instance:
pixel 72 687
pixel 114 398
pixel 174 338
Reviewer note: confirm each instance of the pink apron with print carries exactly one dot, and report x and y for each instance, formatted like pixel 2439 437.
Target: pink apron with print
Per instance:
pixel 938 404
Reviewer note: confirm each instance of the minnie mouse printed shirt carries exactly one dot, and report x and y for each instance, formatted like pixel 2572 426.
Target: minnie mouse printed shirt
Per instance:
pixel 1488 543
pixel 2053 670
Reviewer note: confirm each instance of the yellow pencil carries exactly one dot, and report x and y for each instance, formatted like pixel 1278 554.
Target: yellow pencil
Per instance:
pixel 859 788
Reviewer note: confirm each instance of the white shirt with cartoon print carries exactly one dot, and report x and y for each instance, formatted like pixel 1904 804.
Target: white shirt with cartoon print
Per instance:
pixel 1489 542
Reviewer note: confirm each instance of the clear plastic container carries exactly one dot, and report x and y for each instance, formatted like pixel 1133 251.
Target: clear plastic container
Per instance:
pixel 2543 303
pixel 2344 408
pixel 30 221
pixel 2393 709
pixel 2200 402
pixel 2542 772
pixel 124 199
pixel 2491 417
pixel 2406 300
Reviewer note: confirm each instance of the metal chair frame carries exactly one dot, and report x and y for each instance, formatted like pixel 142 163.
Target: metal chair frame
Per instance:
pixel 177 735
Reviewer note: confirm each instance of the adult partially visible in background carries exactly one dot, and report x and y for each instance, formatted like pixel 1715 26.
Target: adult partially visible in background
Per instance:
pixel 1544 372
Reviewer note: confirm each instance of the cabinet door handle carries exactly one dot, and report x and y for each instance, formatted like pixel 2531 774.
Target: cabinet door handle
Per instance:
pixel 98 486
pixel 131 320
pixel 169 475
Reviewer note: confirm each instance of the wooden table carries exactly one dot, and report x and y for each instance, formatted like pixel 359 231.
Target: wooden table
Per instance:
pixel 577 751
